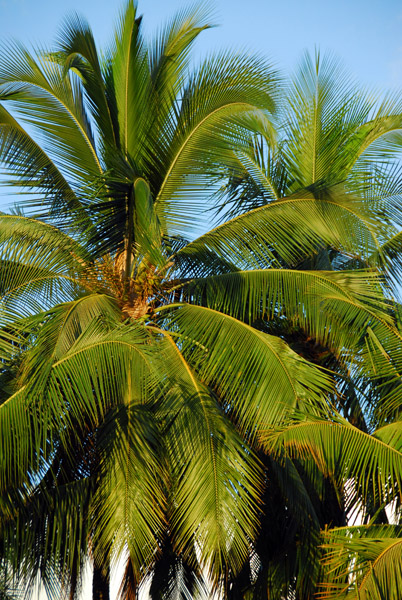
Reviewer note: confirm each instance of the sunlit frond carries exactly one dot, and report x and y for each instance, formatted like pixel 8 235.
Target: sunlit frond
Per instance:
pixel 259 377
pixel 344 452
pixel 363 563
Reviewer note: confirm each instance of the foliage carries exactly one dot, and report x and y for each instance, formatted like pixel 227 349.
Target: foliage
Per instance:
pixel 168 395
pixel 336 149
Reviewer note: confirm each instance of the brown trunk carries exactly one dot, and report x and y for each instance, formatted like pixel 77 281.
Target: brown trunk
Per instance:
pixel 74 580
pixel 101 580
pixel 129 584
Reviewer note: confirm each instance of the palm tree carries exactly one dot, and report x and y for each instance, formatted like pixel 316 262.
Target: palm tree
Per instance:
pixel 116 381
pixel 335 143
pixel 136 375
pixel 371 555
pixel 363 561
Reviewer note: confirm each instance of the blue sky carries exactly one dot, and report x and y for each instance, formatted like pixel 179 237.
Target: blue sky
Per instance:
pixel 365 34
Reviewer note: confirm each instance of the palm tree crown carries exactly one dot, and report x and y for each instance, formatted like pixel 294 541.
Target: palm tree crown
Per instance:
pixel 115 370
pixel 141 372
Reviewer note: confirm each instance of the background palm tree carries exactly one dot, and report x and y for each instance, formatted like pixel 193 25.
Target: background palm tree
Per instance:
pixel 361 561
pixel 335 143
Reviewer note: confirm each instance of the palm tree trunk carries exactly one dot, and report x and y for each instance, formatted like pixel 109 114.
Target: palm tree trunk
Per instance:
pixel 74 581
pixel 101 580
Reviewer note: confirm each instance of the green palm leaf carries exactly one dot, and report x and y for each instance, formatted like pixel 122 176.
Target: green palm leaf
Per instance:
pixel 32 274
pixel 363 562
pixel 128 506
pixel 51 103
pixel 248 368
pixel 266 236
pixel 344 452
pixel 215 480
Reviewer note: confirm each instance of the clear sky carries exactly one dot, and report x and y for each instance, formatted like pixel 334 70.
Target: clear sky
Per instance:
pixel 364 34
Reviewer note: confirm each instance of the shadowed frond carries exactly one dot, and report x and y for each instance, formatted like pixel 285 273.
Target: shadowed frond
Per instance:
pixel 128 506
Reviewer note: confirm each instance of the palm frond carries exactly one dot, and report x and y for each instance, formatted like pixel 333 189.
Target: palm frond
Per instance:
pixel 288 231
pixel 99 371
pixel 33 275
pixel 77 51
pixel 249 369
pixel 344 452
pixel 363 563
pixel 311 299
pixel 32 168
pixel 224 91
pixel 129 504
pixel 51 103
pixel 131 79
pixel 215 479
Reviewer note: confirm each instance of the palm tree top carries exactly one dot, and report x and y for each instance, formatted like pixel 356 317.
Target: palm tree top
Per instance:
pixel 140 366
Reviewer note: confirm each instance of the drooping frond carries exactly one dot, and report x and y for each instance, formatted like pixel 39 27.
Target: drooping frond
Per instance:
pixel 93 376
pixel 215 479
pixel 344 452
pixel 315 300
pixel 249 369
pixel 224 91
pixel 53 106
pixel 30 167
pixel 33 275
pixel 289 231
pixel 363 563
pixel 129 502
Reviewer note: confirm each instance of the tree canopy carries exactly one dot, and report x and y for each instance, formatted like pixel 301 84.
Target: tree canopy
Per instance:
pixel 210 404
